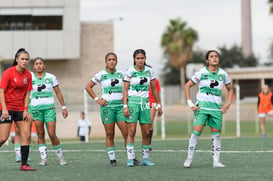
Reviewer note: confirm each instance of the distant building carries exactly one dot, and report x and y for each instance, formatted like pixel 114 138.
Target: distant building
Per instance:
pixel 51 29
pixel 251 79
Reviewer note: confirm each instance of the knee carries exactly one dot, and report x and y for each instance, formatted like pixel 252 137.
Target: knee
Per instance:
pixel 52 136
pixel 41 134
pixel 131 133
pixel 3 140
pixel 146 134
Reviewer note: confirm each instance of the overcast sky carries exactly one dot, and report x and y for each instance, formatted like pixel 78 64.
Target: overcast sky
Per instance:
pixel 217 22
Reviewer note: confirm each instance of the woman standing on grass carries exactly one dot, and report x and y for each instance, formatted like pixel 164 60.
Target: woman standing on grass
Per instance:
pixel 208 109
pixel 43 109
pixel 110 80
pixel 15 90
pixel 265 101
pixel 136 105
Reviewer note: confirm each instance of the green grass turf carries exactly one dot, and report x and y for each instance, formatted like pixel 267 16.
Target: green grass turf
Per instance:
pixel 246 159
pixel 176 129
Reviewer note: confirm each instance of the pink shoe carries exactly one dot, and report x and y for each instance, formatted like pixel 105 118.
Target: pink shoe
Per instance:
pixel 27 168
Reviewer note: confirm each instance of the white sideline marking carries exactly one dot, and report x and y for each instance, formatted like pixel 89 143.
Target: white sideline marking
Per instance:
pixel 157 151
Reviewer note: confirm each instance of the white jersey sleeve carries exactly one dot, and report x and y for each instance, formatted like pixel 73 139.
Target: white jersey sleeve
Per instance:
pixel 196 77
pixel 127 75
pixel 227 79
pixel 97 78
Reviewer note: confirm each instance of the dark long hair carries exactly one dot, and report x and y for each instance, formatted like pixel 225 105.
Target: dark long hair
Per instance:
pixel 207 55
pixel 110 53
pixel 38 58
pixel 143 53
pixel 21 50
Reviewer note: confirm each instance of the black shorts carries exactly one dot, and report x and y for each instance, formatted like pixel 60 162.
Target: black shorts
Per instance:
pixel 82 138
pixel 13 116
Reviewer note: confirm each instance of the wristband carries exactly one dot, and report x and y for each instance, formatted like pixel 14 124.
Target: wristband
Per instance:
pixel 125 106
pixel 190 104
pixel 158 106
pixel 25 108
pixel 96 98
pixel 63 107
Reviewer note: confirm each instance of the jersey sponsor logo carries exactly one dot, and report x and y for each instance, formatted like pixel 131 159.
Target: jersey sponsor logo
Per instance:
pixel 114 82
pixel 213 83
pixel 40 87
pixel 143 80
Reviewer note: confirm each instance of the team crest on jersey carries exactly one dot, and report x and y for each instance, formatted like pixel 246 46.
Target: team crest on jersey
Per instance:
pixel 147 73
pixel 25 81
pixel 220 77
pixel 47 80
pixel 106 118
pixel 119 75
pixel 15 80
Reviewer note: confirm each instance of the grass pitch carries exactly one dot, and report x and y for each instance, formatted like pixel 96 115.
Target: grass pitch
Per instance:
pixel 246 159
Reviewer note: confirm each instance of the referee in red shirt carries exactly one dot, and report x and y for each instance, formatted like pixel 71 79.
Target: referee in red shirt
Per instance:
pixel 15 87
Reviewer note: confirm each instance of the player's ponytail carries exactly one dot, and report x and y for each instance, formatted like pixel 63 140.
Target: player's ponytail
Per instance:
pixel 21 50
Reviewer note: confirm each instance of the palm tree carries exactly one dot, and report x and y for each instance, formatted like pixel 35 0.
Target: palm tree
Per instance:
pixel 177 42
pixel 271 6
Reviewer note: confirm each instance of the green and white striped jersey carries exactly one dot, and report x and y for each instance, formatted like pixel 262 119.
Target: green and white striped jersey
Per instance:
pixel 209 96
pixel 139 81
pixel 111 86
pixel 42 93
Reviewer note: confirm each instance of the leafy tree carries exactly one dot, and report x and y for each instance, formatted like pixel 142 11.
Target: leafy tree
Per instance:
pixel 230 57
pixel 177 42
pixel 234 57
pixel 271 6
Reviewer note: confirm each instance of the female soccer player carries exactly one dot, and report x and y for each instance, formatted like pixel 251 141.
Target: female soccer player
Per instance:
pixel 110 80
pixel 208 109
pixel 43 109
pixel 136 105
pixel 153 108
pixel 15 90
pixel 265 101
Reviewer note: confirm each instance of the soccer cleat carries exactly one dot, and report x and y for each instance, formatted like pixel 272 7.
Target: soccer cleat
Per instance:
pixel 136 162
pixel 26 168
pixel 113 163
pixel 130 163
pixel 218 164
pixel 18 159
pixel 43 162
pixel 147 162
pixel 187 163
pixel 62 161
